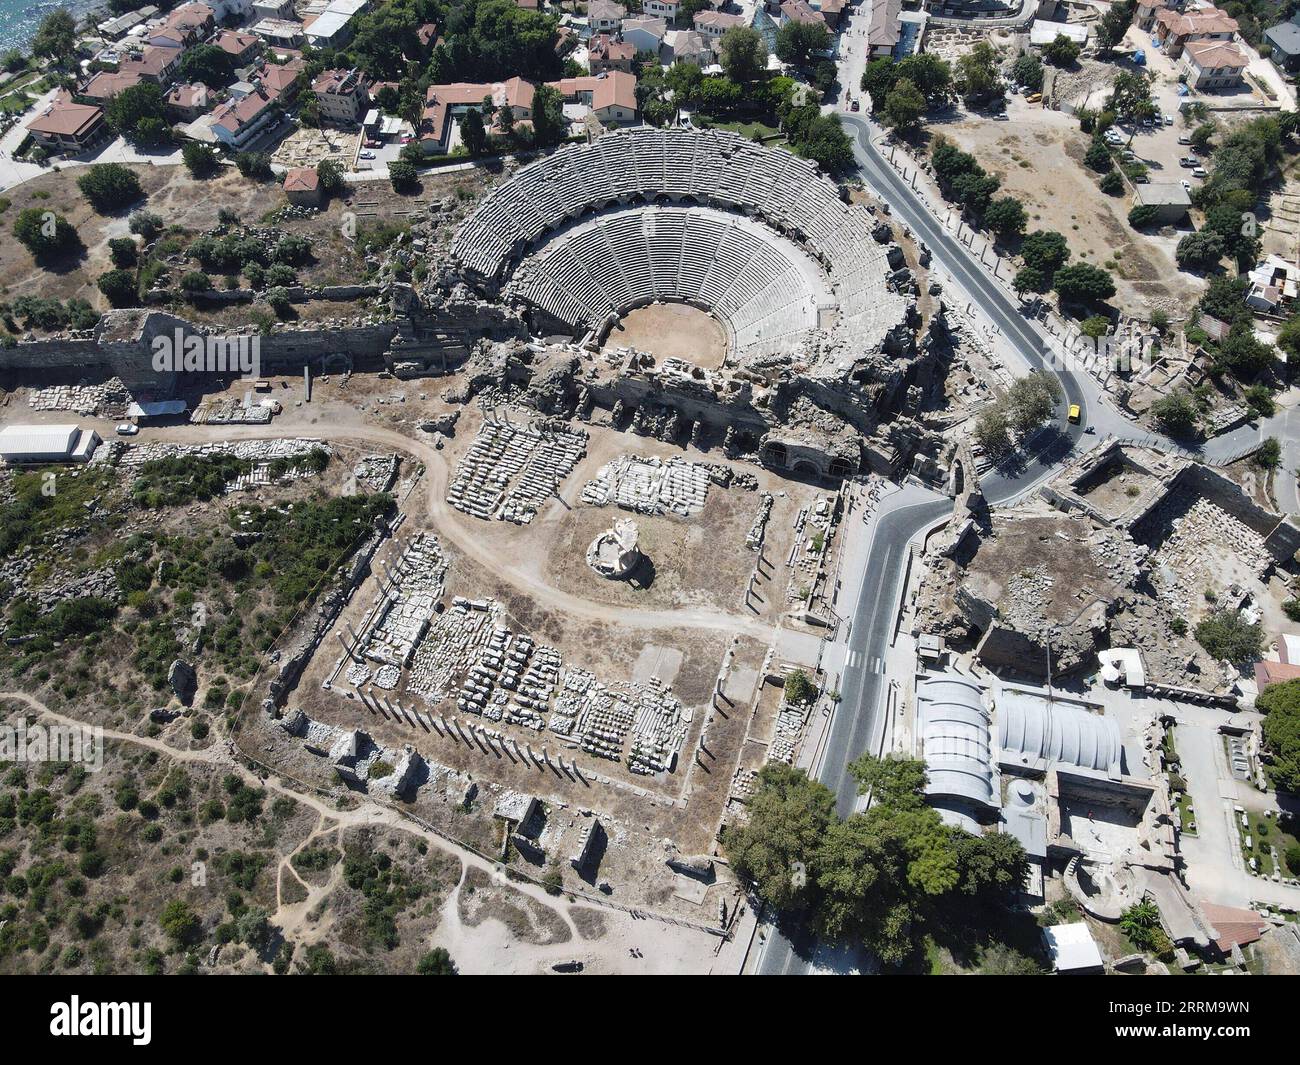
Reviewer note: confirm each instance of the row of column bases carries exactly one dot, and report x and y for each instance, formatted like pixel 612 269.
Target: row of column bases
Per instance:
pixel 476 735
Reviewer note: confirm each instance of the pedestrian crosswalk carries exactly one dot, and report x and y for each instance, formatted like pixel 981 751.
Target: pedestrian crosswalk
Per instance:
pixel 856 660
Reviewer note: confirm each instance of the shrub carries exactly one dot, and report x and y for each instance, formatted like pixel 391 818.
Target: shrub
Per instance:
pixel 118 286
pixel 1227 636
pixel 109 186
pixel 124 252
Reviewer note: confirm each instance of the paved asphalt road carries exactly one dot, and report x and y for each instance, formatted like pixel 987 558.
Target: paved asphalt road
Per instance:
pixel 857 720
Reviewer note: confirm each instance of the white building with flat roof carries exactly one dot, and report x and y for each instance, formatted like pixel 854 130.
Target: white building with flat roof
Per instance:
pixel 22 444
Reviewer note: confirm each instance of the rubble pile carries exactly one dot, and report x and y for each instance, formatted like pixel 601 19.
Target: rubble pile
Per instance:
pixel 650 486
pixel 1191 558
pixel 449 647
pixel 511 470
pixel 408 603
pixel 108 400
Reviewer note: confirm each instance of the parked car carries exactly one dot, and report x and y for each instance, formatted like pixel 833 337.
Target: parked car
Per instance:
pixel 367 155
pixel 127 429
pixel 1187 185
pixel 1188 161
pixel 1169 120
pixel 1200 172
pixel 1184 138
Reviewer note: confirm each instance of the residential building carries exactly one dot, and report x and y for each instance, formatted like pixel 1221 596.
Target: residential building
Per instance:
pixel 280 33
pixel 445 104
pixel 1272 287
pixel 272 9
pixel 153 64
pixel 343 96
pixel 186 25
pixel 1173 29
pixel 103 86
pixel 1210 65
pixel 66 126
pixel 1284 39
pixel 280 80
pixel 665 9
pixel 610 97
pixel 1144 16
pixel 800 11
pixel 241 47
pixel 185 103
pixel 832 12
pixel 115 29
pixel 884 31
pixel 606 54
pixel 605 16
pixel 715 23
pixel 237 123
pixel 302 186
pixel 645 34
pixel 333 27
pixel 687 46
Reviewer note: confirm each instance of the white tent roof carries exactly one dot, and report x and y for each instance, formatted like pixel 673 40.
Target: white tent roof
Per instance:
pixel 17 441
pixel 1072 947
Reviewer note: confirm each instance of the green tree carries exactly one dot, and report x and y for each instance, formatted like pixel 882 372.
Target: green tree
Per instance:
pixel 1045 250
pixel 56 37
pixel 743 54
pixel 44 233
pixel 904 107
pixel 472 132
pixel 1114 24
pixel 549 123
pixel 1062 52
pixel 207 64
pixel 798 42
pixel 1084 283
pixel 403 176
pixel 109 186
pixel 329 176
pixel 1201 250
pixel 1098 155
pixel 1175 413
pixel 1142 215
pixel 1027 71
pixel 1029 279
pixel 179 922
pixel 1006 216
pixel 976 77
pixel 1268 455
pixel 134 106
pixel 123 252
pixel 789 815
pixel 119 288
pixel 1202 135
pixel 993 432
pixel 1227 636
pixel 199 158
pixel 1280 705
pixel 436 962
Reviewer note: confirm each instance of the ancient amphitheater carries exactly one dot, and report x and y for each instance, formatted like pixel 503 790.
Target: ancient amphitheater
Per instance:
pixel 754 236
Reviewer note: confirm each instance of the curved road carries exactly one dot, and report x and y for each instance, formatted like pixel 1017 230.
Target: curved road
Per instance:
pixel 855 728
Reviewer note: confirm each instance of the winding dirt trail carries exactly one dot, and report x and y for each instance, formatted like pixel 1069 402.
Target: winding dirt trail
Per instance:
pixel 448 522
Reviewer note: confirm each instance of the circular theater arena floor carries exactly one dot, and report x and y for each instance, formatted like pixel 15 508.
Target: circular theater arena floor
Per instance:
pixel 672 329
